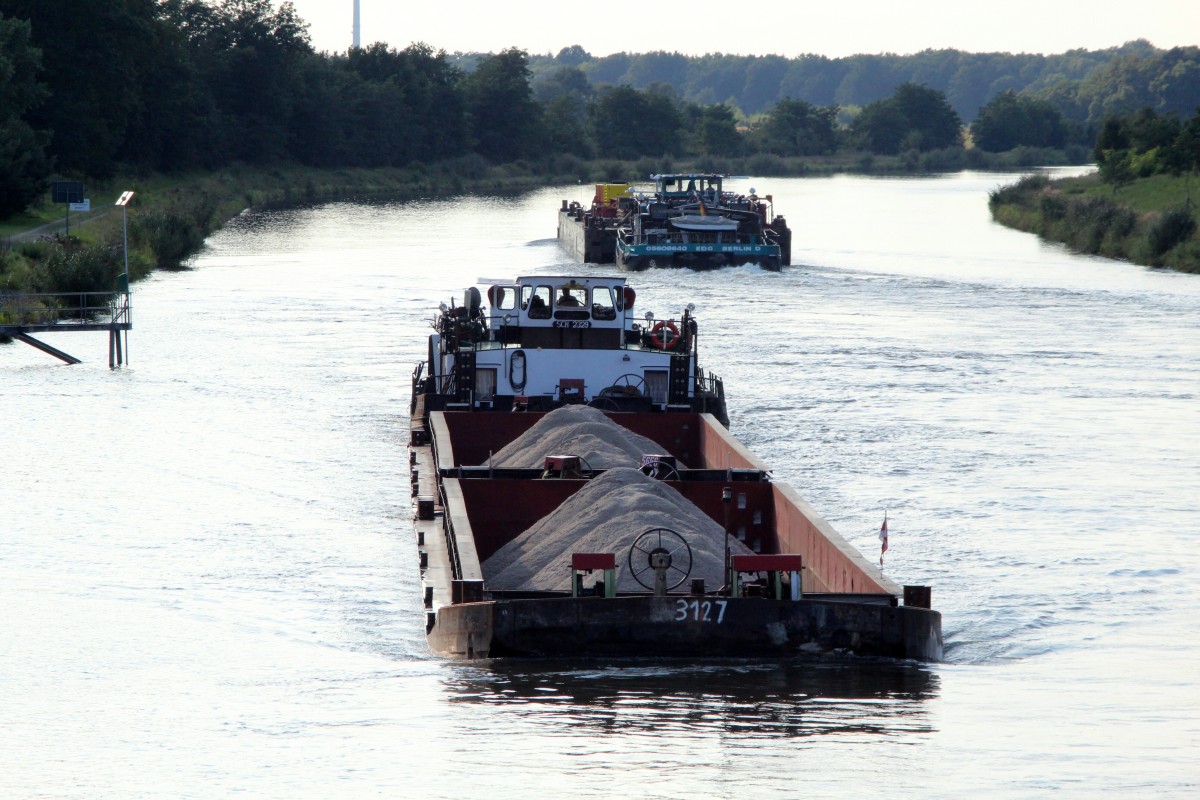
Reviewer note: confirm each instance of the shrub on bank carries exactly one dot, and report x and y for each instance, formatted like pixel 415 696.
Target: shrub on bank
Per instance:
pixel 1171 229
pixel 1091 223
pixel 171 236
pixel 75 267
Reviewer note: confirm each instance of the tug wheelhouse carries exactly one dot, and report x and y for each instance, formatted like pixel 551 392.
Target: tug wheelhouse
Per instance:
pixel 520 350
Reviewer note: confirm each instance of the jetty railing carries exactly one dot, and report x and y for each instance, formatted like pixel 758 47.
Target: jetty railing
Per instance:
pixel 59 310
pixel 25 313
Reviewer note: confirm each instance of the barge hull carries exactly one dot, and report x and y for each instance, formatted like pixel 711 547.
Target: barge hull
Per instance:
pixel 684 626
pixel 591 244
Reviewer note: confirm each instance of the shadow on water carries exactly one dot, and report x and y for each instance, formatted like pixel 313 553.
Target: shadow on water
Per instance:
pixel 795 698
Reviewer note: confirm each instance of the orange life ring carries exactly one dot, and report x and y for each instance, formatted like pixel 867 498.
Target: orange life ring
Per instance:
pixel 660 339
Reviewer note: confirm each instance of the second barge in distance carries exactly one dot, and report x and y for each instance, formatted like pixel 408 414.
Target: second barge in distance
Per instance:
pixel 790 584
pixel 687 220
pixel 691 220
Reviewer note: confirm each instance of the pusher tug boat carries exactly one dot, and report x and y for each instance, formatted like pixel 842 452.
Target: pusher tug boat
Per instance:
pixel 691 220
pixel 578 493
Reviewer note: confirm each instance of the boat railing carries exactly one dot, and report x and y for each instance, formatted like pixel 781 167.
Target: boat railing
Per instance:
pixel 707 382
pixel 417 377
pixel 451 540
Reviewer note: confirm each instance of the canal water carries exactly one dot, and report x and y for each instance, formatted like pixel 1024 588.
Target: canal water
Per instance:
pixel 208 575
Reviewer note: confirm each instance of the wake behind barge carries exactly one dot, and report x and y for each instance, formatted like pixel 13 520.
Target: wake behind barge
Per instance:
pixel 789 584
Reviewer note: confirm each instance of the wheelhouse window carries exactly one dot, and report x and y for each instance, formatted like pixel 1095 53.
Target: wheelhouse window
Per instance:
pixel 571 302
pixel 603 304
pixel 536 300
pixel 569 296
pixel 503 298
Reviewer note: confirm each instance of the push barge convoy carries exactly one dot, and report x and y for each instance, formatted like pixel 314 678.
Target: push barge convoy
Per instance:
pixel 687 220
pixel 740 566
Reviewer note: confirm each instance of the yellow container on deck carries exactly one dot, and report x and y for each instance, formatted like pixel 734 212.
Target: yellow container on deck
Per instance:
pixel 609 191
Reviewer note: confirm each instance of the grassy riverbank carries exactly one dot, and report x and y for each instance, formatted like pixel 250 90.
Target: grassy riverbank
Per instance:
pixel 171 216
pixel 1148 222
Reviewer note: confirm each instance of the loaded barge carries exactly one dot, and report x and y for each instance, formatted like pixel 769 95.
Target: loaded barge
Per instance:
pixel 689 548
pixel 590 234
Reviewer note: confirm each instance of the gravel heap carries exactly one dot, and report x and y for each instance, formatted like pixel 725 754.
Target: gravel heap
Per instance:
pixel 576 430
pixel 606 516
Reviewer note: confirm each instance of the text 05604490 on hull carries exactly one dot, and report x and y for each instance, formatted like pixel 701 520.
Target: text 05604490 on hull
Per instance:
pixel 578 494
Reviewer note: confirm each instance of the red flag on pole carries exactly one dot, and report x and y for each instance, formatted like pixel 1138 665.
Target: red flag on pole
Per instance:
pixel 883 539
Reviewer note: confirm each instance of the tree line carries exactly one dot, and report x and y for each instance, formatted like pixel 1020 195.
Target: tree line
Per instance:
pixel 1085 86
pixel 90 87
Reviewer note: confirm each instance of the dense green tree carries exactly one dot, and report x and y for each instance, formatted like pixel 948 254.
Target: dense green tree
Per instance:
pixel 20 63
pixel 1176 85
pixel 564 95
pixel 662 126
pixel 168 126
pixel 1113 136
pixel 93 61
pixel 657 67
pixel 614 118
pixel 252 54
pixel 566 119
pixel 914 118
pixel 1145 139
pixel 881 127
pixel 932 122
pixel 573 56
pixel 505 121
pixel 1183 156
pixel 1011 120
pixel 761 85
pixel 870 78
pixel 24 166
pixel 813 78
pixel 345 118
pixel 1164 81
pixel 798 128
pixel 1116 168
pixel 608 70
pixel 1187 145
pixel 1149 130
pixel 427 117
pixel 717 133
pixel 627 123
pixel 562 81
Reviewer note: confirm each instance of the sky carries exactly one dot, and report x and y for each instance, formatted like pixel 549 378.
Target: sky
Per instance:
pixel 785 27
